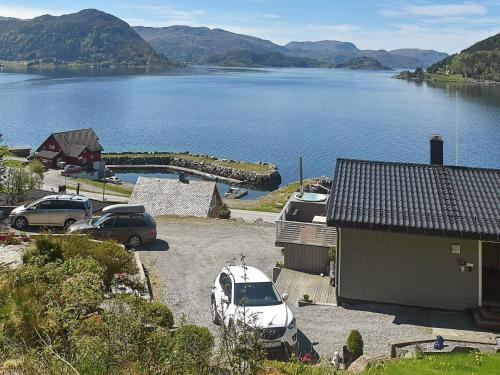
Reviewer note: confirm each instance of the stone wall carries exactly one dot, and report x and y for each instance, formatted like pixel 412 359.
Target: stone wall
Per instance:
pixel 271 178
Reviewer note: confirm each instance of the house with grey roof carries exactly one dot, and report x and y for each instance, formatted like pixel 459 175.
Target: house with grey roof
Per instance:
pixel 424 235
pixel 177 197
pixel 78 147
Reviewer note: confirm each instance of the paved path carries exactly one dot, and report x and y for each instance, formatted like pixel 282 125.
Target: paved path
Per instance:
pixel 251 216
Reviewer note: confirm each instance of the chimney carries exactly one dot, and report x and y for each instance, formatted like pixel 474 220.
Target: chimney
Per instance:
pixel 436 142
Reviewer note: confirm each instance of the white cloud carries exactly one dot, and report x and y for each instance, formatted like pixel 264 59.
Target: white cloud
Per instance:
pixel 26 12
pixel 448 10
pixel 266 15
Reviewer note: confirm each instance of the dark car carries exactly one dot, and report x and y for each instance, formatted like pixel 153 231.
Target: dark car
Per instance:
pixel 126 224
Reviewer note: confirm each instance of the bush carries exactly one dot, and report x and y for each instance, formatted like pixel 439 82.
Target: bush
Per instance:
pixel 355 343
pixel 306 297
pixel 46 246
pixel 159 314
pixel 113 257
pixel 196 344
pixel 332 253
pixel 225 212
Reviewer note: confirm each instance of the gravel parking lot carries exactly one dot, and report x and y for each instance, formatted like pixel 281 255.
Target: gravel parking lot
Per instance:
pixel 191 252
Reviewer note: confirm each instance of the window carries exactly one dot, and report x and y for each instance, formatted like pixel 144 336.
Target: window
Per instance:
pixel 226 285
pixel 256 294
pixel 137 222
pixel 45 205
pixel 52 147
pixel 109 223
pixel 122 222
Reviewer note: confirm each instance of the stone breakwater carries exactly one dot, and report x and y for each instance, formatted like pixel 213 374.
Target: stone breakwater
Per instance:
pixel 209 165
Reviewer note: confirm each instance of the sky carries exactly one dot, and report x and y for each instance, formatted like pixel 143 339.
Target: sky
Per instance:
pixel 447 26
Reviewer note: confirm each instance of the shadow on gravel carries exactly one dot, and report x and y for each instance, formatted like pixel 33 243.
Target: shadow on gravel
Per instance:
pixel 156 245
pixel 420 316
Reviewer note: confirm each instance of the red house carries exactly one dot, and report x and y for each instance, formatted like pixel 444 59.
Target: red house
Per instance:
pixel 77 147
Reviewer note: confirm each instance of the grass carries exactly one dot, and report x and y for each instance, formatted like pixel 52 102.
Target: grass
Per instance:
pixel 13 163
pixel 269 202
pixel 437 364
pixel 445 77
pixel 109 187
pixel 241 165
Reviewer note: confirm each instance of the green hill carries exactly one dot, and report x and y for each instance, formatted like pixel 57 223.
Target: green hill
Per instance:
pixel 89 36
pixel 199 44
pixel 247 58
pixel 363 62
pixel 479 62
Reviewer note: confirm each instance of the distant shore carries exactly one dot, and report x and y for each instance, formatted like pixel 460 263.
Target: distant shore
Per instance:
pixel 435 77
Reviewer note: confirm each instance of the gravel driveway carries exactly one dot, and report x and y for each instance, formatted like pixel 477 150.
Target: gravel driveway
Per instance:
pixel 191 252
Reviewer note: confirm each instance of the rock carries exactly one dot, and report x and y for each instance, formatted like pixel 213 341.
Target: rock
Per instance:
pixel 359 365
pixel 401 352
pixel 409 355
pixel 271 178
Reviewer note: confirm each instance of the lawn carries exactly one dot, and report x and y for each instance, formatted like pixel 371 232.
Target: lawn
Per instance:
pixel 269 202
pixel 109 187
pixel 445 77
pixel 240 165
pixel 437 364
pixel 14 163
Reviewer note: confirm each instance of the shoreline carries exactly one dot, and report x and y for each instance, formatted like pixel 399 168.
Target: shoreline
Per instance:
pixel 252 174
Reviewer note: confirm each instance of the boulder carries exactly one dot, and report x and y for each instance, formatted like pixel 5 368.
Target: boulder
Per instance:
pixel 359 365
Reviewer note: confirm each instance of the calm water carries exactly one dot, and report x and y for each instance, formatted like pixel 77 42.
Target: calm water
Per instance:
pixel 272 115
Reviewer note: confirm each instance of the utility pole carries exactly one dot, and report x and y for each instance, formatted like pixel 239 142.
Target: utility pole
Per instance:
pixel 103 189
pixel 456 127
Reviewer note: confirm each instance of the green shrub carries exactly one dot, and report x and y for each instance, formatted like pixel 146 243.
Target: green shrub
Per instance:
pixel 110 255
pixel 46 246
pixel 159 314
pixel 225 212
pixel 355 343
pixel 306 297
pixel 332 253
pixel 195 343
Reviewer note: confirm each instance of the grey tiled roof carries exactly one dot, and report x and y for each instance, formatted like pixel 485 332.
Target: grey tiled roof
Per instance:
pixel 430 199
pixel 73 142
pixel 169 197
pixel 46 154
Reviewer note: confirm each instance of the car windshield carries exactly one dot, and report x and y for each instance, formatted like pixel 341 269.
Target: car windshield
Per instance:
pixel 101 220
pixel 256 294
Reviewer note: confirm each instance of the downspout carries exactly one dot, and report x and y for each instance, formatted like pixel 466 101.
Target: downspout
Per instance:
pixel 301 179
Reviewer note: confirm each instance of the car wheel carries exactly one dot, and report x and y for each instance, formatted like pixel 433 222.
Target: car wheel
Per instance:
pixel 20 223
pixel 68 223
pixel 134 241
pixel 215 314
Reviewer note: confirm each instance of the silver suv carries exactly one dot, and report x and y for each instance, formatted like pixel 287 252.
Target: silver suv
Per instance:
pixel 53 210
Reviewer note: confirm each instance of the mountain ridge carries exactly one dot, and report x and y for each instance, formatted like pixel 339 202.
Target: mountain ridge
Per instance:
pixel 89 36
pixel 194 44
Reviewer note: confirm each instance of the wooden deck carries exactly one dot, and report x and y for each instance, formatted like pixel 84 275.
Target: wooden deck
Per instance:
pixel 296 284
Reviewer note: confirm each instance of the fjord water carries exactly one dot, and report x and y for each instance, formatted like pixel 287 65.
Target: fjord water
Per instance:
pixel 273 115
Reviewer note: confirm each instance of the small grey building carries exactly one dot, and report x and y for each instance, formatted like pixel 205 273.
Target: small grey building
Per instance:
pixel 182 197
pixel 424 235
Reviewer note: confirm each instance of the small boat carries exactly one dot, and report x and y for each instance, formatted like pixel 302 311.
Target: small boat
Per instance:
pixel 235 193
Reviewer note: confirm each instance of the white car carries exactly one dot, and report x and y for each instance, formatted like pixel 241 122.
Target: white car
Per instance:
pixel 237 288
pixel 113 180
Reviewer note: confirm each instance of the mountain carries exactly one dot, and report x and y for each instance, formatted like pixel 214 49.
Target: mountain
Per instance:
pixel 481 61
pixel 89 36
pixel 192 44
pixel 247 58
pixel 428 57
pixel 196 44
pixel 362 62
pixel 338 52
